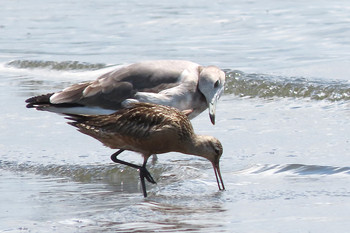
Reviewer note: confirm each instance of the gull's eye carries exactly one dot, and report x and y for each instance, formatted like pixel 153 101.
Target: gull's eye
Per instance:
pixel 216 84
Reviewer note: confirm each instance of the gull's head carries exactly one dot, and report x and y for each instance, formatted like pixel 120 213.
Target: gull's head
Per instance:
pixel 211 84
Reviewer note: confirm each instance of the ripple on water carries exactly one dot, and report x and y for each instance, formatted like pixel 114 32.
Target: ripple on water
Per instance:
pixel 295 169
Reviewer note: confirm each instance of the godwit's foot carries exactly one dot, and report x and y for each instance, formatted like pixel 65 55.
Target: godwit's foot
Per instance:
pixel 145 174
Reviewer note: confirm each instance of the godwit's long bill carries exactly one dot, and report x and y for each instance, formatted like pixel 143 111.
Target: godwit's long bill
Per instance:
pixel 150 129
pixel 184 85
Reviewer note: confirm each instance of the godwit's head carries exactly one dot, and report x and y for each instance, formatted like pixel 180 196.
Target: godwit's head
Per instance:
pixel 210 148
pixel 211 83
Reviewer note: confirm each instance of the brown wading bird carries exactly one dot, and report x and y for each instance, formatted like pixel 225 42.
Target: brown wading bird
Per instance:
pixel 150 129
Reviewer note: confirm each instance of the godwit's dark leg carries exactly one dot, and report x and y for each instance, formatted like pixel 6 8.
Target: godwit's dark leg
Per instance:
pixel 114 159
pixel 143 170
pixel 145 174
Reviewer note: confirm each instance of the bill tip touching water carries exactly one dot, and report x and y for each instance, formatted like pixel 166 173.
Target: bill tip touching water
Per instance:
pixel 150 129
pixel 184 85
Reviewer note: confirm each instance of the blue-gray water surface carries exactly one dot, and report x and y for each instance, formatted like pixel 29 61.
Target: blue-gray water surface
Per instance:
pixel 283 120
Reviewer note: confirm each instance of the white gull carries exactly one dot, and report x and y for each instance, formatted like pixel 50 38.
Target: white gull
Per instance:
pixel 184 85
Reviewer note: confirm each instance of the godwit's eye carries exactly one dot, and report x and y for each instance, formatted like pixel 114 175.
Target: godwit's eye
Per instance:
pixel 216 84
pixel 217 150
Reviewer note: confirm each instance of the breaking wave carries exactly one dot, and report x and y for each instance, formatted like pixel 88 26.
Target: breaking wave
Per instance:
pixel 54 65
pixel 267 86
pixel 79 173
pixel 102 173
pixel 295 169
pixel 241 84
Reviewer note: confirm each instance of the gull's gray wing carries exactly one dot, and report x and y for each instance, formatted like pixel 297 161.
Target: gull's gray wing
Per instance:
pixel 111 89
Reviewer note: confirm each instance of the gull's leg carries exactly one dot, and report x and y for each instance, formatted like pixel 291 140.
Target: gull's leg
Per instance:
pixel 154 159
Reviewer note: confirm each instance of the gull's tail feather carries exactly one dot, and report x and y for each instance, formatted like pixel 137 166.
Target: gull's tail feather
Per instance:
pixel 40 100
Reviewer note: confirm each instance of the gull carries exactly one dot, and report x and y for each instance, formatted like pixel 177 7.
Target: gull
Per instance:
pixel 150 129
pixel 185 85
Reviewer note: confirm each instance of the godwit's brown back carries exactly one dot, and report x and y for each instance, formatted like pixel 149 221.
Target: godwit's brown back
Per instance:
pixel 142 127
pixel 150 129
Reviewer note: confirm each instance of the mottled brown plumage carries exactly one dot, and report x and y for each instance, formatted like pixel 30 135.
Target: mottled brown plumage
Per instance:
pixel 150 129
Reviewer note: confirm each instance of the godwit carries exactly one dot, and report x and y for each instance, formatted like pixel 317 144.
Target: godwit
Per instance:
pixel 150 129
pixel 184 85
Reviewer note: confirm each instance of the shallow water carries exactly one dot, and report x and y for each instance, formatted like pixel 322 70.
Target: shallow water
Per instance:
pixel 283 121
